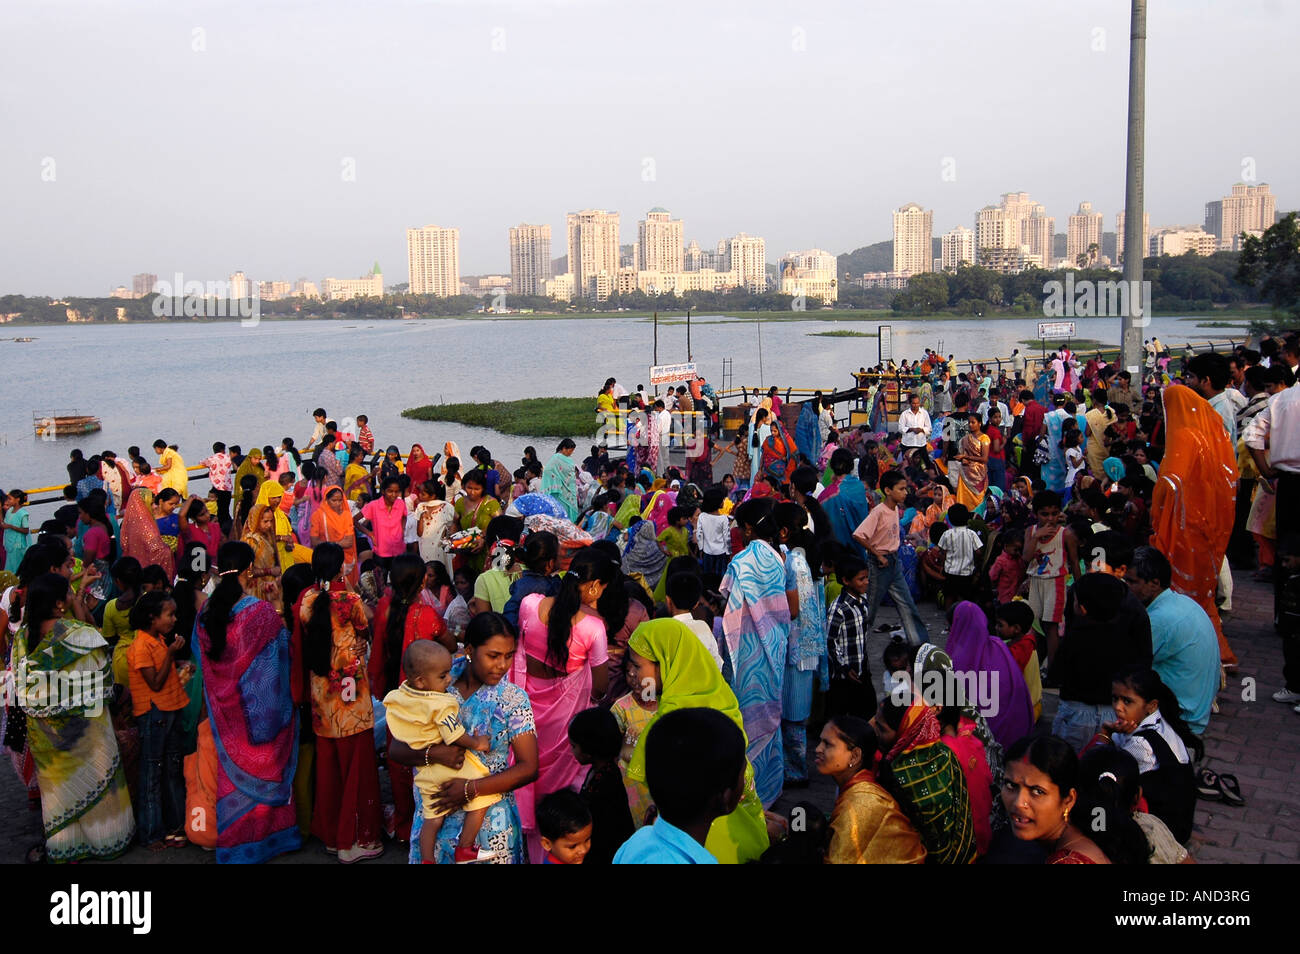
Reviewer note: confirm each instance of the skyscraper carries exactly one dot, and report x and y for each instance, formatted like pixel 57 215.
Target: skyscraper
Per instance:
pixel 1084 232
pixel 1119 234
pixel 593 249
pixel 433 261
pixel 747 257
pixel 1248 209
pixel 530 259
pixel 913 252
pixel 142 284
pixel 659 243
pixel 995 228
pixel 957 248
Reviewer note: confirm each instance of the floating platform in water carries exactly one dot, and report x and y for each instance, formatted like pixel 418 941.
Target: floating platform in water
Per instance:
pixel 50 426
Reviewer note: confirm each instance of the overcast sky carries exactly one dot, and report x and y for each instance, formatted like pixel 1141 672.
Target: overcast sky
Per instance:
pixel 208 137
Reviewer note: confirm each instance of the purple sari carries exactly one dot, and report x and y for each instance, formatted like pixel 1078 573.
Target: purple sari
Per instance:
pixel 1009 711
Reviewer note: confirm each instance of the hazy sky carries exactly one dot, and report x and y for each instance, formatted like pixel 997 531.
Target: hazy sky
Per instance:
pixel 209 137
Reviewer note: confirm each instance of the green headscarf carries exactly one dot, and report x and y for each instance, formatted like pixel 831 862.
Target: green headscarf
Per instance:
pixel 691 680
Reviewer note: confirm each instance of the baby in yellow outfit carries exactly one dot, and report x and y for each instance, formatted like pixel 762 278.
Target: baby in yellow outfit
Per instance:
pixel 421 713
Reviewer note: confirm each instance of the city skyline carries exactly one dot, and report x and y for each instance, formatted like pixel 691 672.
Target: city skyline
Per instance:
pixel 245 161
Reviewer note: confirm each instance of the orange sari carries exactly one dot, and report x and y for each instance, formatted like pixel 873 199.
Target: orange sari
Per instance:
pixel 1194 502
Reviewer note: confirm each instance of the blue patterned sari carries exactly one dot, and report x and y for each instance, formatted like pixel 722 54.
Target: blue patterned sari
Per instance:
pixel 503 713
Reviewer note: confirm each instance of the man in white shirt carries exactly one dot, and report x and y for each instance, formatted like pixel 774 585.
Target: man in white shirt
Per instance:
pixel 665 433
pixel 989 405
pixel 825 419
pixel 914 423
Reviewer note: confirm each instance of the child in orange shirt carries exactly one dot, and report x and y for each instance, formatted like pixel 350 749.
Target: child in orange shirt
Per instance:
pixel 157 699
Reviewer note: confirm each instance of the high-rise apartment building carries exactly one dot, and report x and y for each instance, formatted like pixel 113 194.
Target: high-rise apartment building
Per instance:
pixel 142 284
pixel 659 243
pixel 1249 209
pixel 1181 239
pixel 1037 232
pixel 693 257
pixel 1120 221
pixel 747 257
pixel 593 250
pixel 433 261
pixel 530 259
pixel 957 248
pixel 1084 232
pixel 995 228
pixel 810 273
pixel 913 251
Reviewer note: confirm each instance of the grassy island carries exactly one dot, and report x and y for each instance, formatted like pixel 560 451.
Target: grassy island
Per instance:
pixel 532 417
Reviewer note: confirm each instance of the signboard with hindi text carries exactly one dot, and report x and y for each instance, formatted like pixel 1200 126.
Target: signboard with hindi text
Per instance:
pixel 664 373
pixel 1056 329
pixel 885 338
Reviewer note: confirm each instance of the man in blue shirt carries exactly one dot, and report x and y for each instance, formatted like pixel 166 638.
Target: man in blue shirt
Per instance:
pixel 1185 647
pixel 695 769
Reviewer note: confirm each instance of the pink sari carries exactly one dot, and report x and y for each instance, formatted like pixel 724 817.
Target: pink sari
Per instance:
pixel 555 702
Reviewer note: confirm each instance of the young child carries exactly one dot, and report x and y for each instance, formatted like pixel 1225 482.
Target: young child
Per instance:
pixel 421 713
pixel 713 532
pixel 1051 554
pixel 564 822
pixel 596 740
pixel 932 560
pixel 1007 573
pixel 959 545
pixel 1148 725
pixel 157 698
pixel 683 592
pixel 850 691
pixel 16 522
pixel 1075 462
pixel 674 539
pixel 633 711
pixel 1015 627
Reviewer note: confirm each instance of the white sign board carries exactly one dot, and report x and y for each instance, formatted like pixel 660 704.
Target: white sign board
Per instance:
pixel 886 341
pixel 663 373
pixel 1056 329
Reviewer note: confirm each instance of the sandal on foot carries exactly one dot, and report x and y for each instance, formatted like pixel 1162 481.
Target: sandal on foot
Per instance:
pixel 36 855
pixel 1207 786
pixel 176 840
pixel 1230 790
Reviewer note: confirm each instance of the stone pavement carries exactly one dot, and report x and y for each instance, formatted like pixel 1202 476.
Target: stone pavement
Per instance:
pixel 1252 737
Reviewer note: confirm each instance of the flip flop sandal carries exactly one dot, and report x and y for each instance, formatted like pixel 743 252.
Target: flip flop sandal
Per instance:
pixel 1207 786
pixel 176 841
pixel 1231 790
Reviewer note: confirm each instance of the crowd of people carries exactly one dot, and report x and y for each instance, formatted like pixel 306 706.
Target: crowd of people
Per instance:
pixel 619 660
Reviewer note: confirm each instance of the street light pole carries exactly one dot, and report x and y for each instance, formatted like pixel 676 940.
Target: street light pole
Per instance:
pixel 1133 320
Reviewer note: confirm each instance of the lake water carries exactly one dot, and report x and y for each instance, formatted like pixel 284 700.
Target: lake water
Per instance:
pixel 193 384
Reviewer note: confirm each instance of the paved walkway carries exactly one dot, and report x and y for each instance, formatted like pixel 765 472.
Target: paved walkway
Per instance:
pixel 1252 737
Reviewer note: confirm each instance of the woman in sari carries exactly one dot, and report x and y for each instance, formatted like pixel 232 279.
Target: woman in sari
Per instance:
pixel 140 536
pixel 493 706
pixel 418 465
pixel 1009 709
pixel 560 478
pixel 259 533
pixel 643 559
pixel 434 517
pixel 973 483
pixel 1098 420
pixel 63 679
pixel 333 523
pixel 1193 506
pixel 665 654
pixel 563 666
pixel 476 510
pixel 287 549
pixel 251 466
pixel 925 777
pixel 248 687
pixel 867 826
pixel 756 633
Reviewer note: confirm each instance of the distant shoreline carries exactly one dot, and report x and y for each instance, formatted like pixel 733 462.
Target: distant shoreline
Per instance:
pixel 671 318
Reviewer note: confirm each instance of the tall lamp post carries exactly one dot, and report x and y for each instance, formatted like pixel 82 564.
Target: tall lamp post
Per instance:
pixel 1133 320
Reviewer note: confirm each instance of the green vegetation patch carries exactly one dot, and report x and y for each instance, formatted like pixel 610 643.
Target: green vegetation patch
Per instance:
pixel 843 333
pixel 533 417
